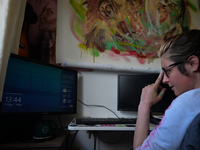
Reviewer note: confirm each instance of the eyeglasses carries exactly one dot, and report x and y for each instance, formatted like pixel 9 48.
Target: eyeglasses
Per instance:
pixel 174 64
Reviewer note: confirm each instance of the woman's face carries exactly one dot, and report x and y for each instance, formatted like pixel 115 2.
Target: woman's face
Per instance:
pixel 47 18
pixel 179 82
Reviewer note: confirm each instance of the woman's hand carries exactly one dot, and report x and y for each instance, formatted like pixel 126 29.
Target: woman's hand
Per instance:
pixel 150 95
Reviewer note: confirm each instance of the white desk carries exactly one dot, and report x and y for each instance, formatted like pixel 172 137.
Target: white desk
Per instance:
pixel 104 127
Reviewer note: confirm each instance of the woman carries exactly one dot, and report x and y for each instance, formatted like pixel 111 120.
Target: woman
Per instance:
pixel 180 60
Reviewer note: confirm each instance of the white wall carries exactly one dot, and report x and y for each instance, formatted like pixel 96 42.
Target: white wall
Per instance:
pixel 100 88
pixel 95 87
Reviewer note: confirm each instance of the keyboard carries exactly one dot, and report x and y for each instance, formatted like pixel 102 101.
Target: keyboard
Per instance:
pixel 94 121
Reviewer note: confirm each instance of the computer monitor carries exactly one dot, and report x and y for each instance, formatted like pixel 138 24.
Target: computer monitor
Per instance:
pixel 33 87
pixel 130 88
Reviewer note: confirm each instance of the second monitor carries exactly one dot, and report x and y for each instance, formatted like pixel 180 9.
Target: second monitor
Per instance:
pixel 130 88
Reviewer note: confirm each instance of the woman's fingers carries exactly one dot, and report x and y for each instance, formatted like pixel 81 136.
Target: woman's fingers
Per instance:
pixel 161 94
pixel 159 79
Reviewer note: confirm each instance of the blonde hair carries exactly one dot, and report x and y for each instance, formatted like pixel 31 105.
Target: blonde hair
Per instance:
pixel 167 45
pixel 181 47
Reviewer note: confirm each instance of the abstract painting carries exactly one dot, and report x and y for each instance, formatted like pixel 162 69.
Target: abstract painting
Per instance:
pixel 128 29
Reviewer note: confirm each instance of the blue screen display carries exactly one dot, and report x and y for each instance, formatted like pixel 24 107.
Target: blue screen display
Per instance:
pixel 35 87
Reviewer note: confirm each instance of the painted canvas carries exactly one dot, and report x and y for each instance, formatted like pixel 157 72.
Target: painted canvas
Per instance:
pixel 38 36
pixel 127 32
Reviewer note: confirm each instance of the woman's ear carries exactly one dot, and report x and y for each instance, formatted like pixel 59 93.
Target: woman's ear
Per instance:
pixel 194 62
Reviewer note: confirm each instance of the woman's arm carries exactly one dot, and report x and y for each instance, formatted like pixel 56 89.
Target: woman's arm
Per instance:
pixel 149 97
pixel 142 125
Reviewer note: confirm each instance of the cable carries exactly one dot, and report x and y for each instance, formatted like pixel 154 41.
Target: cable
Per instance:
pixel 67 138
pixel 98 106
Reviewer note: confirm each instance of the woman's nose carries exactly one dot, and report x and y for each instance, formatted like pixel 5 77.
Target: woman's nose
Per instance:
pixel 165 79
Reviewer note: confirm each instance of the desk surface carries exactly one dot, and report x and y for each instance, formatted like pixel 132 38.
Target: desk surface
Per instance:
pixel 55 143
pixel 105 127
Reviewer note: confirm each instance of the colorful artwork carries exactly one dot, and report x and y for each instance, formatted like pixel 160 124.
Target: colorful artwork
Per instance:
pixel 128 28
pixel 38 36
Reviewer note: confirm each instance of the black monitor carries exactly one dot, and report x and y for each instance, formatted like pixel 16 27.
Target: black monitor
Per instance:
pixel 33 87
pixel 130 88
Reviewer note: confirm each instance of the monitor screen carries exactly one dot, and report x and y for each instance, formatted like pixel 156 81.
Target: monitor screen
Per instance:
pixel 130 88
pixel 35 87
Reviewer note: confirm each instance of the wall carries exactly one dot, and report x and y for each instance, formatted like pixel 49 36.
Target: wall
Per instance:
pixel 96 87
pixel 100 88
pixel 71 52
